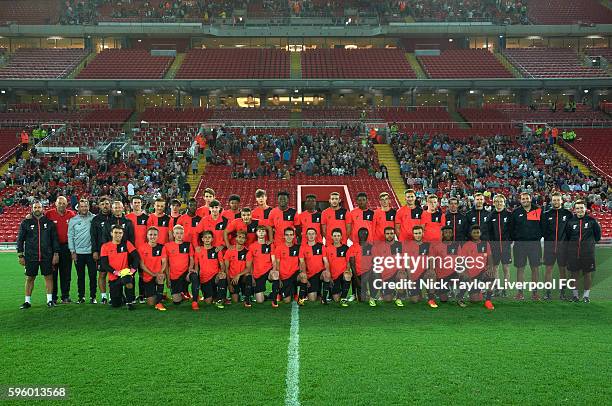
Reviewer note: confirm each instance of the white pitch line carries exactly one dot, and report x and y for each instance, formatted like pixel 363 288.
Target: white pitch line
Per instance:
pixel 292 382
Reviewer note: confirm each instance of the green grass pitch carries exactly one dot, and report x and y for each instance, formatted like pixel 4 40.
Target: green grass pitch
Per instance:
pixel 522 353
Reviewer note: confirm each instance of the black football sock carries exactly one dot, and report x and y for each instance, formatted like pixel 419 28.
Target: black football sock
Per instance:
pixel 195 286
pixel 431 295
pixel 247 288
pixel 461 294
pixel 303 290
pixel 275 289
pixel 325 290
pixel 159 292
pixel 345 285
pixel 488 295
pixel 222 289
pixel 548 292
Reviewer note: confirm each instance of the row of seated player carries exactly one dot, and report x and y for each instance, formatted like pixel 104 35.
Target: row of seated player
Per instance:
pixel 126 64
pixel 568 12
pixel 34 63
pixel 463 63
pixel 356 64
pixel 235 64
pixel 596 145
pixel 31 12
pixel 550 63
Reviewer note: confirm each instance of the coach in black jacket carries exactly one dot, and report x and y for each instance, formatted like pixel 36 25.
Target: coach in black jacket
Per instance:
pixel 553 223
pixel 526 234
pixel 478 216
pixel 582 232
pixel 38 248
pixel 100 235
pixel 457 221
pixel 499 224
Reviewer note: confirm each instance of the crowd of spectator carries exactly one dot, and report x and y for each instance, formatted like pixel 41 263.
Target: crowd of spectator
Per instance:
pixel 456 167
pixel 282 156
pixel 91 11
pixel 149 175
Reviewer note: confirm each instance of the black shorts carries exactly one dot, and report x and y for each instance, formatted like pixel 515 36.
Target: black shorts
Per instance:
pixel 260 283
pixel 336 287
pixel 31 268
pixel 148 288
pixel 314 283
pixel 527 250
pixel 177 286
pixel 209 288
pixel 288 285
pixel 415 289
pixel 386 290
pixel 584 263
pixel 448 282
pixel 501 251
pixel 552 255
pixel 237 288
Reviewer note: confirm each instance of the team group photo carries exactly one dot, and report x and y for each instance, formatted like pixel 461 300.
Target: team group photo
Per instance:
pixel 306 202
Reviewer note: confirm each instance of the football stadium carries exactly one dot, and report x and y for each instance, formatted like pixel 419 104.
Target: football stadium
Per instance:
pixel 321 201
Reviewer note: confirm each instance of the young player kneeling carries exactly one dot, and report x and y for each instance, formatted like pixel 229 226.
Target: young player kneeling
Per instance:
pixel 259 263
pixel 181 265
pixel 420 252
pixel 339 269
pixel 209 264
pixel 481 271
pixel 153 263
pixel 120 261
pixel 315 263
pixel 237 272
pixel 287 259
pixel 361 263
pixel 445 254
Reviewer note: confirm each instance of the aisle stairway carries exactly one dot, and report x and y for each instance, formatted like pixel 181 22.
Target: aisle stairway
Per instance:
pixel 575 161
pixel 176 64
pixel 296 65
pixel 386 157
pixel 194 180
pixel 416 66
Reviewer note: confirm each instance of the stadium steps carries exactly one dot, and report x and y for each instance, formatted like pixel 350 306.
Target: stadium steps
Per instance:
pixel 416 66
pixel 131 122
pixel 296 65
pixel 574 161
pixel 459 119
pixel 81 66
pixel 194 180
pixel 386 157
pixel 507 64
pixel 295 119
pixel 176 64
pixel 4 168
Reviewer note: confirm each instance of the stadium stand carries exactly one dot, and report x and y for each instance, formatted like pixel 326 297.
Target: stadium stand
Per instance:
pixel 463 63
pixel 34 63
pixel 568 12
pixel 594 147
pixel 9 140
pixel 33 12
pixel 550 63
pixel 235 64
pixel 582 115
pixel 168 115
pixel 485 118
pixel 603 52
pixel 356 64
pixel 265 113
pixel 126 64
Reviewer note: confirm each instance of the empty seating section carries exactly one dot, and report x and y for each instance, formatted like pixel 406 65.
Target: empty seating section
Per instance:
pixel 112 118
pixel 582 115
pixel 356 64
pixel 550 63
pixel 235 64
pixel 176 138
pixel 594 144
pixel 34 63
pixel 464 63
pixel 485 118
pixel 568 12
pixel 126 64
pixel 603 52
pixel 237 114
pixel 167 115
pixel 83 136
pixel 331 113
pixel 31 12
pixel 416 118
pixel 27 118
pixel 9 139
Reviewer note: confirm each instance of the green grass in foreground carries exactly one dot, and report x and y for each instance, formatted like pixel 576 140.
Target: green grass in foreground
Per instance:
pixel 528 353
